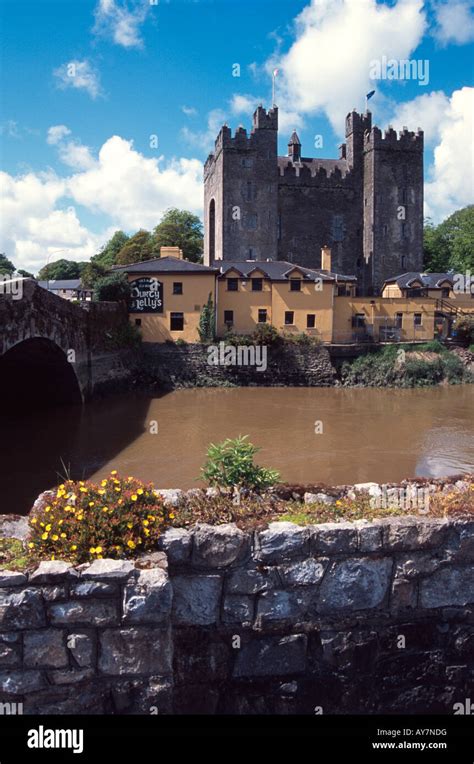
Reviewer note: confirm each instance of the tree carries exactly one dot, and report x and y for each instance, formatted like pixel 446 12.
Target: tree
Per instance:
pixel 91 273
pixel 450 245
pixel 108 254
pixel 25 274
pixel 207 322
pixel 137 249
pixel 113 288
pixel 60 269
pixel 6 266
pixel 179 228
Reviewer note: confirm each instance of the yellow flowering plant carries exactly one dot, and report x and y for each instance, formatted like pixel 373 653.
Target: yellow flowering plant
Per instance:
pixel 82 521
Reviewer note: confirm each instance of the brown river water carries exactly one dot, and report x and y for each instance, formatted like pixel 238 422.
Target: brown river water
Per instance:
pixel 308 434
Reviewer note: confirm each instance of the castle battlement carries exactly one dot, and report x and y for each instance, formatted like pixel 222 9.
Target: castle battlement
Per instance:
pixel 313 172
pixel 406 140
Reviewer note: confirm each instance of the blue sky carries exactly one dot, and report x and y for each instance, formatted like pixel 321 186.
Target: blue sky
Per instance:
pixel 76 151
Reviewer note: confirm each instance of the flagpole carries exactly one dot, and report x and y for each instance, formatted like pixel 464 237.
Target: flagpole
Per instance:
pixel 273 88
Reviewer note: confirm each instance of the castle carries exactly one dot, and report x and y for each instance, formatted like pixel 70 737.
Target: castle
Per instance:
pixel 367 206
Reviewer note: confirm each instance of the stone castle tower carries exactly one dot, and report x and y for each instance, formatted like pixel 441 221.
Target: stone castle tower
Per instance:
pixel 367 205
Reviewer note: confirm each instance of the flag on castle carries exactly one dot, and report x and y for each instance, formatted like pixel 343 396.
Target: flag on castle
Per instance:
pixel 368 97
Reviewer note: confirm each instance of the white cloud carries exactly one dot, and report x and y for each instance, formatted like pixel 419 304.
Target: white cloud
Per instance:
pixel 10 128
pixel 288 121
pixel 56 133
pixel 454 22
pixel 426 111
pixel 450 184
pixel 125 188
pixel 190 111
pixel 327 68
pixel 80 75
pixel 204 139
pixel 121 23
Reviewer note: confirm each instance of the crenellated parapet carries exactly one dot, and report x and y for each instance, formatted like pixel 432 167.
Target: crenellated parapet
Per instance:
pixel 405 140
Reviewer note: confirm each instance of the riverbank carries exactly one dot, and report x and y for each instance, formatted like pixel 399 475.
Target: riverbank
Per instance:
pixel 298 363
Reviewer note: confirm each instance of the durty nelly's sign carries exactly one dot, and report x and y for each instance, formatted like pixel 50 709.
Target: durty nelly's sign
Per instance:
pixel 146 296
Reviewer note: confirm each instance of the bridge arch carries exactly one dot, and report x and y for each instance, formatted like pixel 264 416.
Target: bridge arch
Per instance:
pixel 35 372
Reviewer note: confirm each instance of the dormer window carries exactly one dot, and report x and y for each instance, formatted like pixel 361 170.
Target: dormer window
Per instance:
pixel 295 285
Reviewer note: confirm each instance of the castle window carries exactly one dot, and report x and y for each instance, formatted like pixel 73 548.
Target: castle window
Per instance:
pixel 232 285
pixel 404 231
pixel 247 163
pixel 289 318
pixel 359 262
pixel 262 315
pixel 228 317
pixel 177 287
pixel 251 254
pixel 212 230
pixel 279 227
pixel 176 322
pixel 404 195
pixel 310 320
pixel 251 221
pixel 257 285
pixel 250 191
pixel 384 229
pixel 404 261
pixel 295 285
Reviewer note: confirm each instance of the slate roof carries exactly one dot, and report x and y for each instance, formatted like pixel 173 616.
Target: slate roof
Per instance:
pixel 55 284
pixel 164 265
pixel 429 280
pixel 279 270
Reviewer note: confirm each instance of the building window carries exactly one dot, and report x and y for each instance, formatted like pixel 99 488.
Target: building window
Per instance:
pixel 295 285
pixel 399 320
pixel 250 194
pixel 445 292
pixel 232 285
pixel 177 322
pixel 251 254
pixel 257 285
pixel 177 287
pixel 229 317
pixel 138 322
pixel 289 318
pixel 251 221
pixel 212 230
pixel 247 163
pixel 262 315
pixel 358 320
pixel 310 321
pixel 417 319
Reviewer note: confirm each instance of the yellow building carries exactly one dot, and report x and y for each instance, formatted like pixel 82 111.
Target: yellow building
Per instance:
pixel 168 295
pixel 291 298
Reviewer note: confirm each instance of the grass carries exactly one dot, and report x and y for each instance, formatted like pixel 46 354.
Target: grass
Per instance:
pixel 12 555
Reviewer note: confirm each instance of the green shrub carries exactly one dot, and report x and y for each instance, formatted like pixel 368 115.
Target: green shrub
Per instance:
pixel 420 373
pixel 230 465
pixel 84 521
pixel 453 368
pixel 465 329
pixel 266 334
pixel 127 335
pixel 434 346
pixel 113 288
pixel 207 322
pixel 180 342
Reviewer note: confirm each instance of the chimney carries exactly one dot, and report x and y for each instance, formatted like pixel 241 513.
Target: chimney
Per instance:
pixel 171 252
pixel 326 258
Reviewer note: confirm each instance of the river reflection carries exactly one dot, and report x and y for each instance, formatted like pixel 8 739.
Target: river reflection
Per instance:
pixel 367 434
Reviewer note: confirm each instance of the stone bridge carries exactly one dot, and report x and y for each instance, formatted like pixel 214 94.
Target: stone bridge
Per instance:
pixel 52 350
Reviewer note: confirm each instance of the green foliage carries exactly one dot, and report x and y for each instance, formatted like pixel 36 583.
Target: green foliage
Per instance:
pixel 433 346
pixel 230 465
pixel 421 373
pixel 266 334
pixel 84 521
pixel 107 257
pixel 465 329
pixel 207 322
pixel 6 266
pixel 180 342
pixel 137 249
pixel 179 228
pixel 113 288
pixel 450 245
pixel 92 273
pixel 60 269
pixel 125 336
pixel 25 274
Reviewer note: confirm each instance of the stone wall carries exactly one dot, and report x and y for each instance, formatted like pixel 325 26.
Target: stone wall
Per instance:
pixel 187 365
pixel 349 617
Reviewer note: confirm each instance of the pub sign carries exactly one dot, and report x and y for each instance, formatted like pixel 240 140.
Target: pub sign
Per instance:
pixel 146 296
